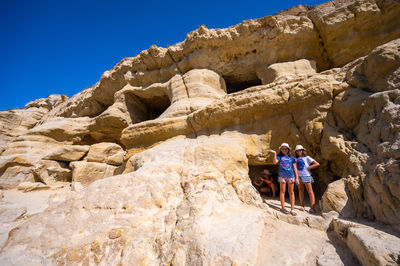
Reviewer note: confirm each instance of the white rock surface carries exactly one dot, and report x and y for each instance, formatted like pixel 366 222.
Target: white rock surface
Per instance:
pixel 373 244
pixel 182 202
pixel 29 186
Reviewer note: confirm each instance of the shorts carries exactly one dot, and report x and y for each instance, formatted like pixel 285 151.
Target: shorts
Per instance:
pixel 306 179
pixel 286 179
pixel 269 183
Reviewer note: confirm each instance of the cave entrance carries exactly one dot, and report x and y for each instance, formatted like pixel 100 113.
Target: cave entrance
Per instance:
pixel 233 85
pixel 319 185
pixel 255 171
pixel 146 108
pixel 155 106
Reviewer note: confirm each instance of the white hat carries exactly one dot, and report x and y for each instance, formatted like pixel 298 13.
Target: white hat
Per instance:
pixel 299 147
pixel 284 145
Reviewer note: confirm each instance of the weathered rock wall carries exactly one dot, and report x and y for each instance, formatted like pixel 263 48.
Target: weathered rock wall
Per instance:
pixel 159 220
pixel 164 141
pixel 332 34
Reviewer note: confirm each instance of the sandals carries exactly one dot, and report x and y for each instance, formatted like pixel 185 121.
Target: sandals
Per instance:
pixel 302 209
pixel 287 212
pixel 312 211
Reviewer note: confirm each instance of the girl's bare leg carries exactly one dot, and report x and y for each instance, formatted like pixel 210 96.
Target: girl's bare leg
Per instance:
pixel 266 190
pixel 273 186
pixel 310 194
pixel 301 193
pixel 282 194
pixel 291 195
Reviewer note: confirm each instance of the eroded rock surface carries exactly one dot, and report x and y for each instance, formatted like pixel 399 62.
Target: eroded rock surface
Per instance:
pixel 168 205
pixel 158 152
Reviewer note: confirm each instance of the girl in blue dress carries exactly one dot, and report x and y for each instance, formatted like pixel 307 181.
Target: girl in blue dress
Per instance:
pixel 287 174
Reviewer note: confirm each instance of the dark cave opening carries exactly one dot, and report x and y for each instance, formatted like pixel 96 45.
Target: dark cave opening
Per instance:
pixel 156 106
pixel 319 185
pixel 142 108
pixel 233 85
pixel 255 172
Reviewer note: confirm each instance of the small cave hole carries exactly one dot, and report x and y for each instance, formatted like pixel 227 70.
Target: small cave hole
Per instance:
pixel 143 109
pixel 156 106
pixel 233 86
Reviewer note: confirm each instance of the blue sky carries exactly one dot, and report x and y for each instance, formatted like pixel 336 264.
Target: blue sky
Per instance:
pixel 63 46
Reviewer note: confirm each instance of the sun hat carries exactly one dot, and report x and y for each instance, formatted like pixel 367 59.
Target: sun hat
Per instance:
pixel 299 147
pixel 284 145
pixel 266 172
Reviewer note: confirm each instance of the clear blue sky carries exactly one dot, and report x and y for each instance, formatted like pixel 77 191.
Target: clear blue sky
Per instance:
pixel 63 46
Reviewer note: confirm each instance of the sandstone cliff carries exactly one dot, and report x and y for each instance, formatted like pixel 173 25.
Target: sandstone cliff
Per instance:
pixel 161 151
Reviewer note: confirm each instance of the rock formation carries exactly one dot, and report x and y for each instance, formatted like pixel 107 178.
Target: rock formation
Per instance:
pixel 153 164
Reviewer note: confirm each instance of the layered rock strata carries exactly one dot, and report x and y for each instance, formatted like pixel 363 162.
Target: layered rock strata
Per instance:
pixel 161 151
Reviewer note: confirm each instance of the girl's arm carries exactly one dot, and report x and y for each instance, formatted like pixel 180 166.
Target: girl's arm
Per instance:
pixel 274 159
pixel 258 183
pixel 313 165
pixel 295 173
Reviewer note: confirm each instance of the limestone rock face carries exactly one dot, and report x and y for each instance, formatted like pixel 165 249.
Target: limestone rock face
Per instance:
pixel 88 172
pixel 336 198
pixel 285 70
pixel 181 190
pixel 104 152
pixel 50 172
pixel 379 71
pixel 49 103
pixel 69 131
pixel 156 159
pixel 372 246
pixel 382 129
pixel 336 20
pixel 332 34
pixel 16 122
pixel 30 186
pixel 13 175
pixel 68 153
pixel 196 89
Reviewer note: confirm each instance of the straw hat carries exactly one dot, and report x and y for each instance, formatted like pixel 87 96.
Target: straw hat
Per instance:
pixel 299 147
pixel 284 145
pixel 266 172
